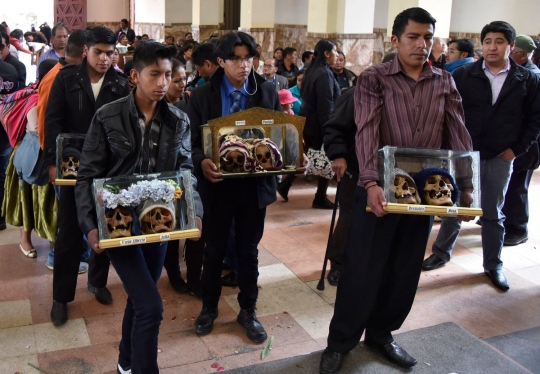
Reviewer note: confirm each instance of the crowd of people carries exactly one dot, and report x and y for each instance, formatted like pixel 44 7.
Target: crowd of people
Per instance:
pixel 146 117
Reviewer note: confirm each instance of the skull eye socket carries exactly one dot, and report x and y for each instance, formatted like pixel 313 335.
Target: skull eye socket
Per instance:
pixel 405 186
pixel 396 182
pixel 432 180
pixel 240 159
pixel 268 155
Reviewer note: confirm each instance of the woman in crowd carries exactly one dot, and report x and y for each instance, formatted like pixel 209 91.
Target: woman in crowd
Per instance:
pixel 123 42
pixel 115 57
pixel 295 90
pixel 175 94
pixel 15 40
pixel 278 54
pixel 185 56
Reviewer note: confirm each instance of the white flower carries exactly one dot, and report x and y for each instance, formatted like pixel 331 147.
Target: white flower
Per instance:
pixel 157 190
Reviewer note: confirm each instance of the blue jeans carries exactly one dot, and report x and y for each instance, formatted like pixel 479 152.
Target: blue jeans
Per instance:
pixel 494 177
pixel 139 268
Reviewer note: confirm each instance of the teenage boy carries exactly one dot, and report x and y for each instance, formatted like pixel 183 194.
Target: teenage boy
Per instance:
pixel 77 92
pixel 158 134
pixel 233 87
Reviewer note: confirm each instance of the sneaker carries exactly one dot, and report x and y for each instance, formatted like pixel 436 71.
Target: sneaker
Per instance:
pixel 121 370
pixel 319 203
pixel 83 267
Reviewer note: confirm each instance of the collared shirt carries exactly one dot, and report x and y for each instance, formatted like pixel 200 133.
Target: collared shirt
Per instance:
pixel 151 137
pixel 273 80
pixel 391 108
pixel 496 80
pixel 50 54
pixel 227 98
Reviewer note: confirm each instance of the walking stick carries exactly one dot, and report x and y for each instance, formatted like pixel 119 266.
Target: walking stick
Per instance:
pixel 320 286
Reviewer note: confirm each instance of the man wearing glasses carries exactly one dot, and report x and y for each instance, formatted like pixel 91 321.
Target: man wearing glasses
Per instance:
pixel 460 52
pixel 232 88
pixel 269 70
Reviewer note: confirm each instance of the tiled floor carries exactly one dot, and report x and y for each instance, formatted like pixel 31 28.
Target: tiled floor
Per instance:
pixel 290 306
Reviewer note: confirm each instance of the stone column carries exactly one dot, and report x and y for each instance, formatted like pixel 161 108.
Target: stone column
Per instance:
pixel 150 19
pixel 206 18
pixel 257 18
pixel 440 10
pixel 347 22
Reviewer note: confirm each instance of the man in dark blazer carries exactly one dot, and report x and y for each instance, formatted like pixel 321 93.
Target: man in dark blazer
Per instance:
pixel 269 70
pixel 124 27
pixel 233 87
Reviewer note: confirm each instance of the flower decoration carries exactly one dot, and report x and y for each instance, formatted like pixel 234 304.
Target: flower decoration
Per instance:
pixel 157 190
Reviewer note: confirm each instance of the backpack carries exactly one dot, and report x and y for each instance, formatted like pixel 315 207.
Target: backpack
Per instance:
pixel 29 161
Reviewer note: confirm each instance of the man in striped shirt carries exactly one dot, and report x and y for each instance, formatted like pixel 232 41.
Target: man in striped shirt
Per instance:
pixel 404 103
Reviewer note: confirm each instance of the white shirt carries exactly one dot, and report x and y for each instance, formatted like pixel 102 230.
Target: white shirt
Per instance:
pixel 496 80
pixel 96 87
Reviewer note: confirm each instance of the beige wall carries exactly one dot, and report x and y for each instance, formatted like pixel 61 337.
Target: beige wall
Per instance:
pixel 292 12
pixel 381 14
pixel 107 10
pixel 439 9
pixel 149 11
pixel 472 15
pixel 178 11
pixel 257 14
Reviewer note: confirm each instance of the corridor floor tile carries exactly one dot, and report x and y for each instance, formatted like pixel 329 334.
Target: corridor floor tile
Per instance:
pixel 15 313
pixel 70 361
pixel 17 341
pixel 180 348
pixel 52 338
pixel 19 364
pixel 315 320
pixel 472 263
pixel 329 292
pixel 532 274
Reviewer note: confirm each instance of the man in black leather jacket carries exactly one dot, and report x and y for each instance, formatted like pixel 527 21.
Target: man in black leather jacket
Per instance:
pixel 243 200
pixel 138 134
pixel 76 94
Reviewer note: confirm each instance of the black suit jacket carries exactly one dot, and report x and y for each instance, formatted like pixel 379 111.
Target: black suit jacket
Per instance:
pixel 205 104
pixel 130 35
pixel 72 105
pixel 21 70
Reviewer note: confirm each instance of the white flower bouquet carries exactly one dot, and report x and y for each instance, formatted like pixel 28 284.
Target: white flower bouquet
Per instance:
pixel 157 190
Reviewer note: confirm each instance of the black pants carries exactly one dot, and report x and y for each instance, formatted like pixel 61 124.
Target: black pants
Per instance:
pixel 233 198
pixel 194 260
pixel 381 268
pixel 68 249
pixel 339 238
pixel 516 203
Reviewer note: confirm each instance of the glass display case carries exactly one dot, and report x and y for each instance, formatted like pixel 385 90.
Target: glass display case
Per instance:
pixel 430 181
pixel 68 155
pixel 140 209
pixel 255 142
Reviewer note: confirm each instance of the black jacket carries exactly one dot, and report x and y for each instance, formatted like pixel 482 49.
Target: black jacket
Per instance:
pixel 512 122
pixel 21 70
pixel 340 132
pixel 319 96
pixel 205 104
pixel 72 105
pixel 113 148
pixel 130 35
pixel 532 67
pixel 8 78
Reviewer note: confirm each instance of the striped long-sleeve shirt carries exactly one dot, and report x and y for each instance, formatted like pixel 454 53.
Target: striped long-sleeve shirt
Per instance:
pixel 392 108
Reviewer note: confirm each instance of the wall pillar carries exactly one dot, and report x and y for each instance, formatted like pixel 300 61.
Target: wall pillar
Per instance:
pixel 257 18
pixel 207 15
pixel 150 18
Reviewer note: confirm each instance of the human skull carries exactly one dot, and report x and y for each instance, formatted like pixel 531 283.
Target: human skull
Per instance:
pixel 157 220
pixel 234 162
pixel 70 167
pixel 438 190
pixel 264 157
pixel 404 190
pixel 119 222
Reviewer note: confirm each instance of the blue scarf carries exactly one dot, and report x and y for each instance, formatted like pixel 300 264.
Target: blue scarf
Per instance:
pixel 451 66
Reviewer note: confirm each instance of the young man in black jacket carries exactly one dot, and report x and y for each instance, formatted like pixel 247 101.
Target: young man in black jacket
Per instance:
pixel 233 87
pixel 150 136
pixel 76 94
pixel 501 100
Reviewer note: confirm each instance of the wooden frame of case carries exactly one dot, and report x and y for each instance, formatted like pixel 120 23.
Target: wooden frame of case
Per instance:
pixel 59 148
pixel 255 117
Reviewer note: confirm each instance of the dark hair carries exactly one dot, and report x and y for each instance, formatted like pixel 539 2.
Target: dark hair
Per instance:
pixel 302 71
pixel 499 26
pixel 224 47
pixel 3 29
pixel 323 45
pixel 28 33
pixel 341 53
pixel 186 47
pixel 278 49
pixel 124 20
pixel 306 55
pixel 121 36
pixel 59 26
pixel 148 53
pixel 288 51
pixel 273 59
pixel 188 33
pixel 143 35
pixel 45 66
pixel 202 53
pixel 76 42
pixel 176 64
pixel 389 57
pixel 5 37
pixel 102 35
pixel 416 14
pixel 463 45
pixel 17 34
pixel 138 37
pixel 169 37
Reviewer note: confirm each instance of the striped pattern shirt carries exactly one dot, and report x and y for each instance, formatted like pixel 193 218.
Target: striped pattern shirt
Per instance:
pixel 392 108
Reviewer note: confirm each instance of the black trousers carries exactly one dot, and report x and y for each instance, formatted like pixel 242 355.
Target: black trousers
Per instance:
pixel 238 199
pixel 516 203
pixel 339 238
pixel 68 249
pixel 194 253
pixel 381 268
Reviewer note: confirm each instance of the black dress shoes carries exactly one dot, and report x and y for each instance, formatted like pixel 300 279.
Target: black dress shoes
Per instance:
pixel 230 280
pixel 322 203
pixel 432 263
pixel 205 321
pixel 58 313
pixel 331 362
pixel 254 330
pixel 333 277
pixel 498 279
pixel 510 239
pixel 394 353
pixel 102 294
pixel 178 284
pixel 283 191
